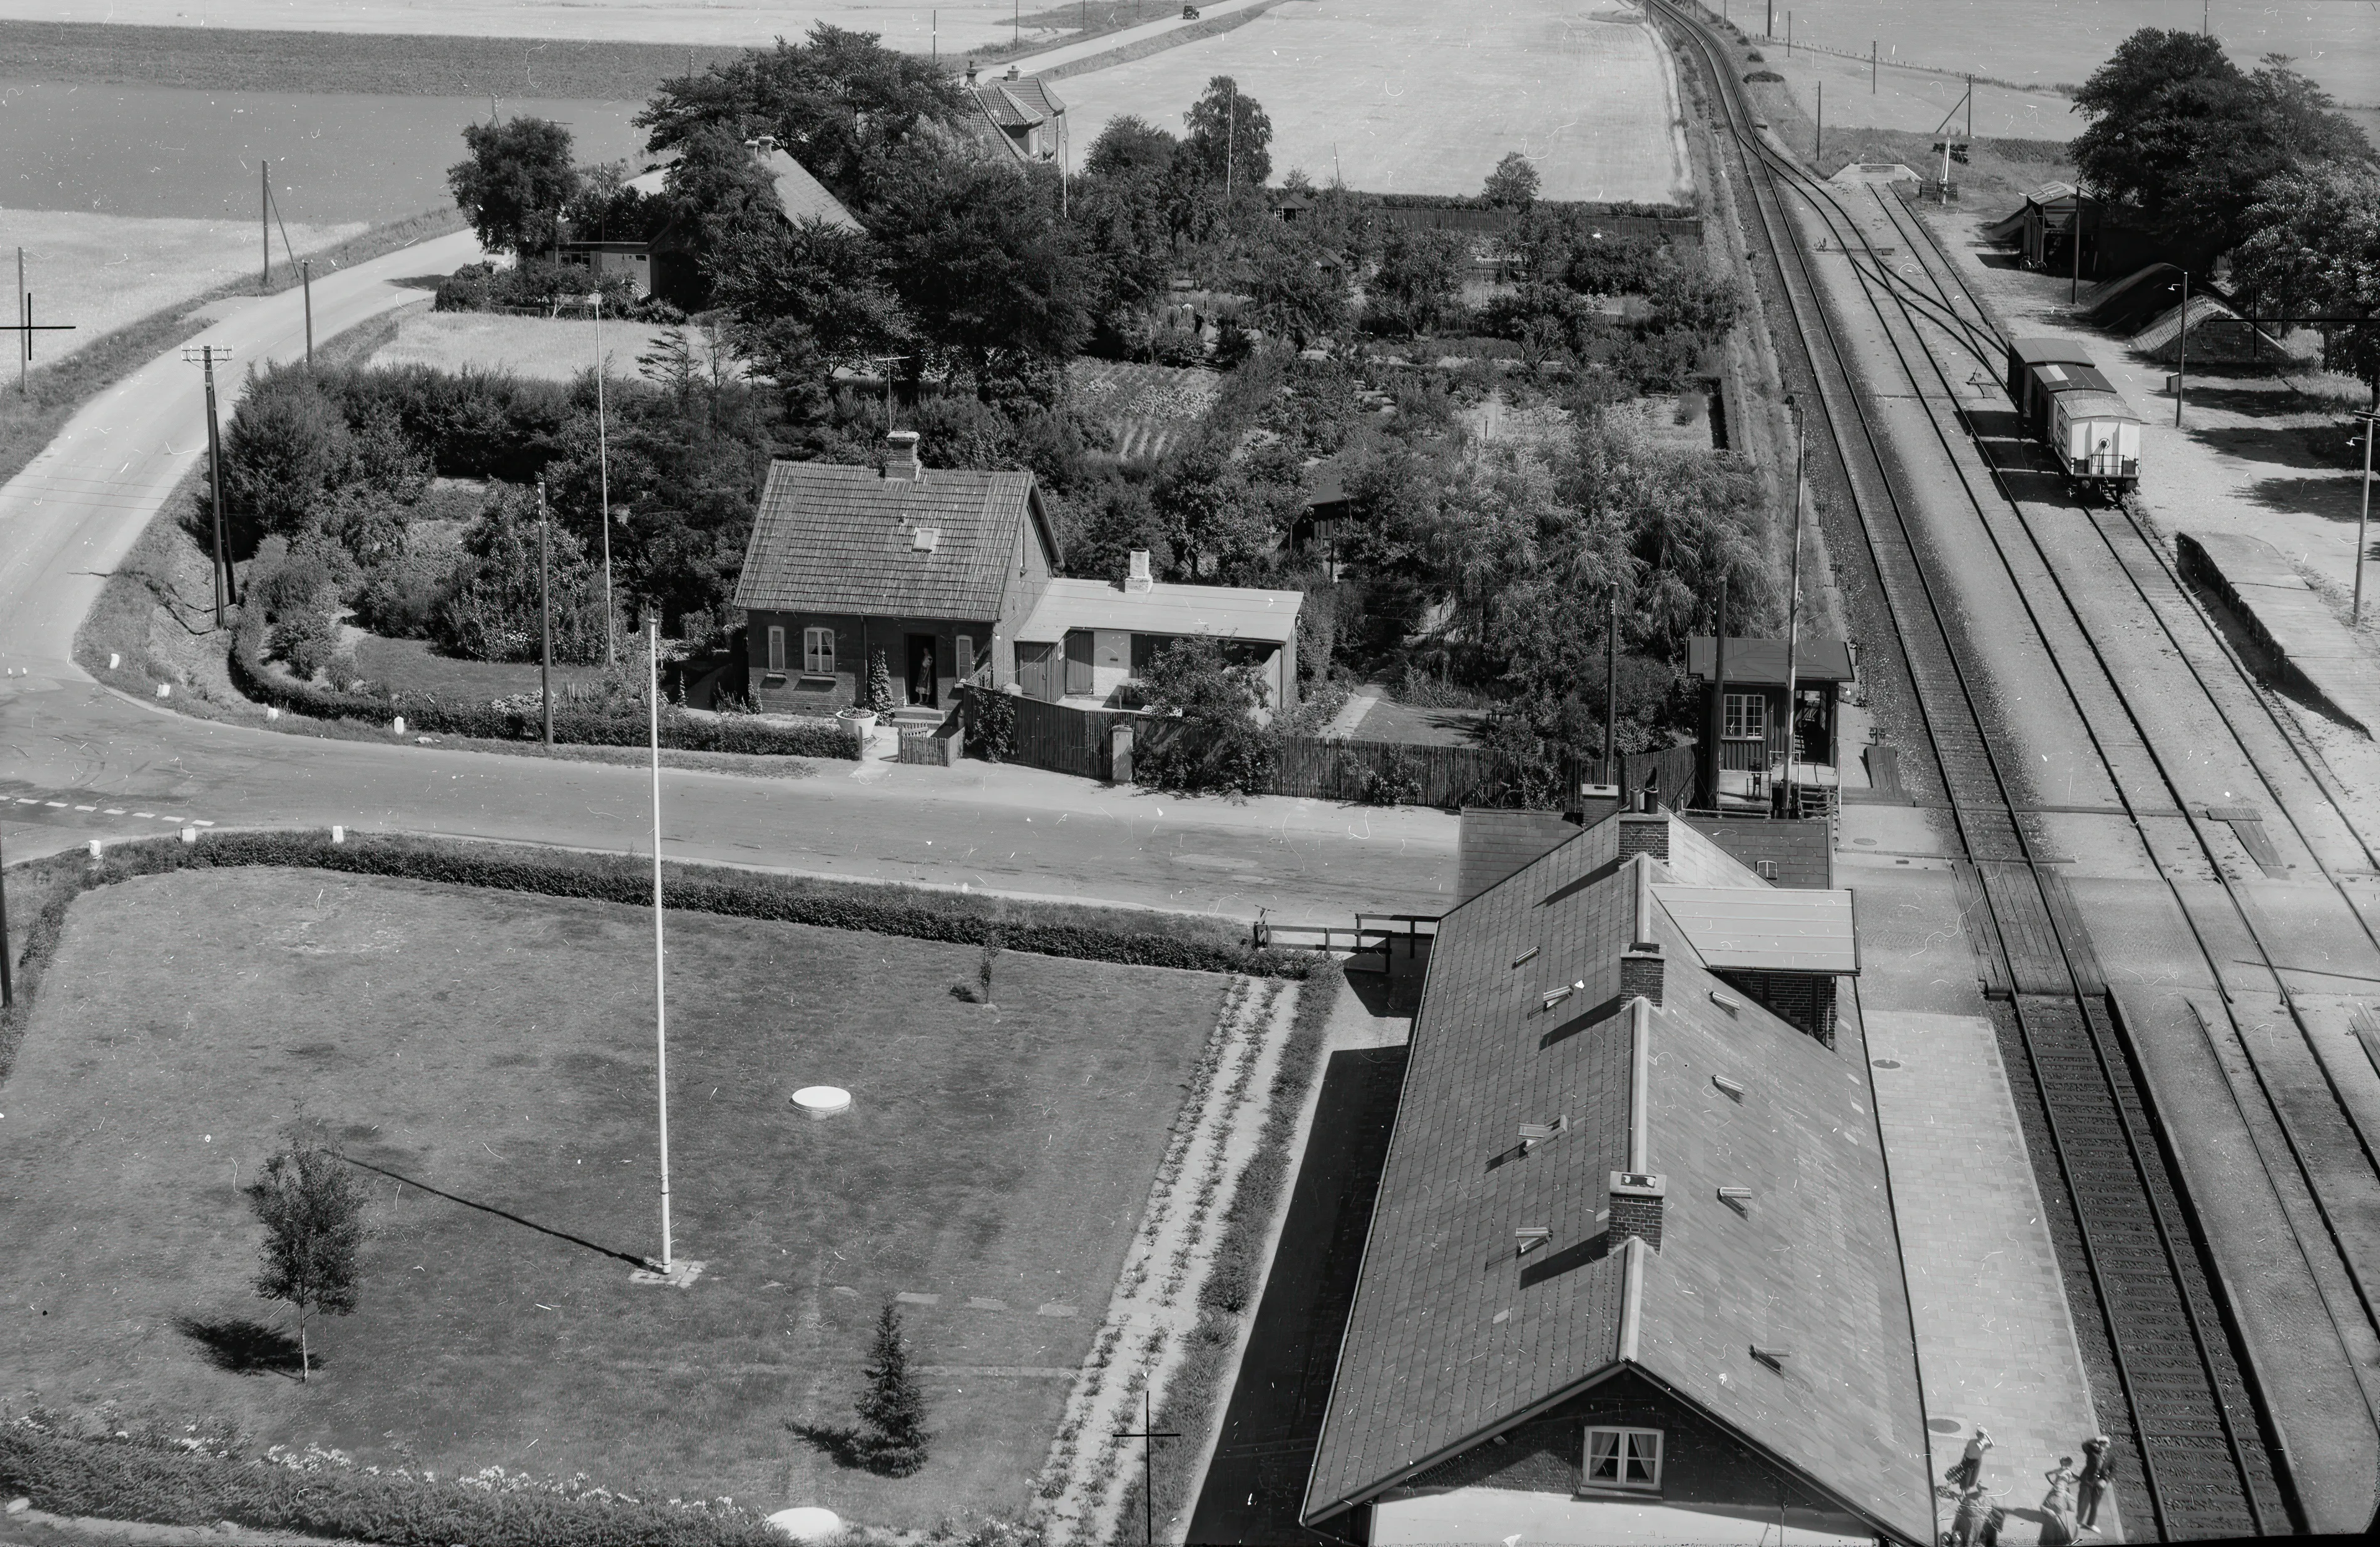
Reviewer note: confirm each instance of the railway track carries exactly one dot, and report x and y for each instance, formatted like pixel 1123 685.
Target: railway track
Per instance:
pixel 2162 1353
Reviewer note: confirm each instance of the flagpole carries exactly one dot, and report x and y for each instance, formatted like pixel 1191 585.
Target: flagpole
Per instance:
pixel 661 1006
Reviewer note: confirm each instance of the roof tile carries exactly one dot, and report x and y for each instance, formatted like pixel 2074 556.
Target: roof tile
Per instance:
pixel 830 539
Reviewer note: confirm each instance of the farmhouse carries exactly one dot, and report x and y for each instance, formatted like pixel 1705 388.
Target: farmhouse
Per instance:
pixel 1632 1274
pixel 1018 113
pixel 951 575
pixel 666 262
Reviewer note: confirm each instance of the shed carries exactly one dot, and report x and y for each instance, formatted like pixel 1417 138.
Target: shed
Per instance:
pixel 1753 730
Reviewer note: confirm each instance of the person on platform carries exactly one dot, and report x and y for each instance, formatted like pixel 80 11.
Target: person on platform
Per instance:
pixel 2098 1472
pixel 1969 1519
pixel 2058 1504
pixel 1968 1473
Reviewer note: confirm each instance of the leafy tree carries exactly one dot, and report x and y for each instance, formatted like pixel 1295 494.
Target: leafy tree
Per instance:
pixel 839 102
pixel 804 300
pixel 1418 285
pixel 1230 136
pixel 494 612
pixel 606 209
pixel 1514 183
pixel 2312 249
pixel 515 182
pixel 311 1207
pixel 977 254
pixel 1296 287
pixel 1130 146
pixel 893 1410
pixel 1218 744
pixel 2182 135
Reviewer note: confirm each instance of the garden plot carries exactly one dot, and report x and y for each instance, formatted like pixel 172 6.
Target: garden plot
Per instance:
pixel 1148 407
pixel 992 1174
pixel 545 348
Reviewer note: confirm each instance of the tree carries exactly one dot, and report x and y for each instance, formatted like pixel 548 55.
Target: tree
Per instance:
pixel 311 1207
pixel 880 696
pixel 515 182
pixel 1130 145
pixel 494 612
pixel 893 1410
pixel 1230 136
pixel 1218 744
pixel 1418 285
pixel 840 100
pixel 1513 185
pixel 2313 249
pixel 1296 287
pixel 2183 136
pixel 804 300
pixel 977 252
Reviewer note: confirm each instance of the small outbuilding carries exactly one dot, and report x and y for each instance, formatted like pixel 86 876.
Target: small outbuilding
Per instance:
pixel 1755 745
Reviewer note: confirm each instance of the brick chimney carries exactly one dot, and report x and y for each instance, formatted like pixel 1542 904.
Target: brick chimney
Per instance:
pixel 970 74
pixel 900 456
pixel 1641 970
pixel 1636 1206
pixel 1136 576
pixel 1642 833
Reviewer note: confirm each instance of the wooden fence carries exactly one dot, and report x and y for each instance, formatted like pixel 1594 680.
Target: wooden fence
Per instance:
pixel 1064 739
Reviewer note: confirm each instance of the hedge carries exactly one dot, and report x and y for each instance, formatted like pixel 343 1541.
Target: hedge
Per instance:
pixel 1196 1397
pixel 119 1481
pixel 574 724
pixel 875 907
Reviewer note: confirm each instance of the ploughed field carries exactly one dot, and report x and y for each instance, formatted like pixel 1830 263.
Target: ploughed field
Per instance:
pixel 490 1058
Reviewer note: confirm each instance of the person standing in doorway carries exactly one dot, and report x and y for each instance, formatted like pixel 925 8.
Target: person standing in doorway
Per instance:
pixel 1969 1473
pixel 2098 1472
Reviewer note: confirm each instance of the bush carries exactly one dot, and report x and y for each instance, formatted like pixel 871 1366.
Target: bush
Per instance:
pixel 401 597
pixel 1395 782
pixel 321 1493
pixel 1758 75
pixel 990 722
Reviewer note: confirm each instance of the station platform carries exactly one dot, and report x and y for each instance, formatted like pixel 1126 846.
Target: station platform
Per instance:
pixel 2290 619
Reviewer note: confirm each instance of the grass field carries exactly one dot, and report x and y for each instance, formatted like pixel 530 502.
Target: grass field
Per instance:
pixel 499 1049
pixel 1414 97
pixel 102 272
pixel 555 349
pixel 735 23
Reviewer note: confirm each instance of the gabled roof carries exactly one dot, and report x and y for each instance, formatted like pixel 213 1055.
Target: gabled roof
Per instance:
pixel 1761 662
pixel 1453 1336
pixel 1009 104
pixel 830 539
pixel 1490 845
pixel 802 196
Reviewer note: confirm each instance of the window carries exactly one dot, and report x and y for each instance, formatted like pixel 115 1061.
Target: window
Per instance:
pixel 964 659
pixel 1624 1459
pixel 1747 716
pixel 817 652
pixel 776 649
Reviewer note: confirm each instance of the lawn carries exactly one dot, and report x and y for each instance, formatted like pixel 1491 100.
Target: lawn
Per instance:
pixel 498 1049
pixel 414 665
pixel 552 349
pixel 1405 96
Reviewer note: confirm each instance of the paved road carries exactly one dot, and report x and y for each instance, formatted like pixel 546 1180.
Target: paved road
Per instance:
pixel 69 519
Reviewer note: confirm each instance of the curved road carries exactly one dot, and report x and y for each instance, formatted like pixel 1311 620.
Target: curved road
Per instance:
pixel 68 742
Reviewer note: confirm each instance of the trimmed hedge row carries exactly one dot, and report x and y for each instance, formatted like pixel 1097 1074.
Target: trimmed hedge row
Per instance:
pixel 1196 1397
pixel 115 1481
pixel 680 732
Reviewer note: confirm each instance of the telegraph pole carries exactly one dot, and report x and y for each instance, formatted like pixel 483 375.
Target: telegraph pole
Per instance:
pixel 1148 1435
pixel 544 615
pixel 2182 364
pixel 306 278
pixel 27 326
pixel 604 478
pixel 205 356
pixel 1611 686
pixel 2364 519
pixel 264 219
pixel 1793 611
pixel 1718 692
pixel 661 1002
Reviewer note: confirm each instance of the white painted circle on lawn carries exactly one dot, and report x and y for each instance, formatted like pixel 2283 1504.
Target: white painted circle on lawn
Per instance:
pixel 809 1523
pixel 822 1101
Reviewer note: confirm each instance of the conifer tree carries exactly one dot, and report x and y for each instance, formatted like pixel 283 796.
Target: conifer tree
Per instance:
pixel 895 1409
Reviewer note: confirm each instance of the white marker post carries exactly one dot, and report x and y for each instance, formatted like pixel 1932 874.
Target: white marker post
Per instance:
pixel 661 1005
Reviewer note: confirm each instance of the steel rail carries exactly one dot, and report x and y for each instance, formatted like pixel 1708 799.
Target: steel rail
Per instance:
pixel 1758 159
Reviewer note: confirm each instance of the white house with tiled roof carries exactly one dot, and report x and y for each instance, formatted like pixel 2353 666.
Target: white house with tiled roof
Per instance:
pixel 950 574
pixel 1020 112
pixel 1632 1274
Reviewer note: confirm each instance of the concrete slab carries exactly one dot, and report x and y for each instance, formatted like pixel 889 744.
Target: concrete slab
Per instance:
pixel 2284 614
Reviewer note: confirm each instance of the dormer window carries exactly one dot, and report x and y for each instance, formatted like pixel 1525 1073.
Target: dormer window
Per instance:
pixel 1629 1459
pixel 925 540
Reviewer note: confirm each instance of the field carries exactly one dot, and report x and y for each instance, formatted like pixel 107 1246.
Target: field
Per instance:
pixel 490 1055
pixel 102 271
pixel 555 349
pixel 1406 96
pixel 738 23
pixel 133 149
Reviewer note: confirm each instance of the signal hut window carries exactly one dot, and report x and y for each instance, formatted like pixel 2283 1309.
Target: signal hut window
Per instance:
pixel 817 652
pixel 1624 1459
pixel 776 649
pixel 1747 715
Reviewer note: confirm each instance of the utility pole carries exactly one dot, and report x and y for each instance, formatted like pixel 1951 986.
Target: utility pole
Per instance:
pixel 1231 136
pixel 25 316
pixel 1871 66
pixel 205 356
pixel 2074 285
pixel 2363 519
pixel 1611 686
pixel 1148 1435
pixel 306 279
pixel 7 984
pixel 1971 110
pixel 1818 145
pixel 660 1001
pixel 2182 364
pixel 1771 30
pixel 1015 23
pixel 544 615
pixel 1788 34
pixel 264 219
pixel 604 480
pixel 1719 693
pixel 1793 614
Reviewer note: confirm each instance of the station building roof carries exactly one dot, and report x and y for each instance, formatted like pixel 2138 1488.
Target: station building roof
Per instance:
pixel 1761 662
